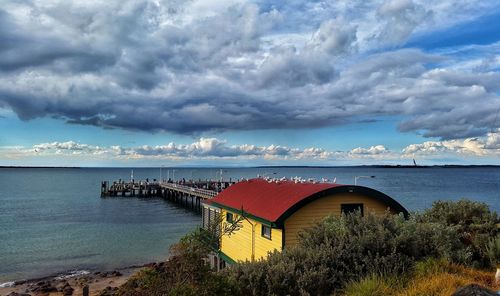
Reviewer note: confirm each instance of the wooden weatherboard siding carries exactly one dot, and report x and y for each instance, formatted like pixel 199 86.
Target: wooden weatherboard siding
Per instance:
pixel 316 210
pixel 238 245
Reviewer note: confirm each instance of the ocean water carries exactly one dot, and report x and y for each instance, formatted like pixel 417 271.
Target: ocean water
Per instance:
pixel 54 221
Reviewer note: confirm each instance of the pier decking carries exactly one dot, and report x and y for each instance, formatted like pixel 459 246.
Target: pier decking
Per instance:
pixel 187 194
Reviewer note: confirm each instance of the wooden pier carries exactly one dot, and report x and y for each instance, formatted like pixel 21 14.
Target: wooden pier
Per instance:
pixel 188 194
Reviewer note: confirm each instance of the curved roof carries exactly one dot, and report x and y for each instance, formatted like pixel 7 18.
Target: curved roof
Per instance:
pixel 276 201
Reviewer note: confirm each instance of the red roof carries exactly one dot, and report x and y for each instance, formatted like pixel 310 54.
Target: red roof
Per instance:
pixel 267 200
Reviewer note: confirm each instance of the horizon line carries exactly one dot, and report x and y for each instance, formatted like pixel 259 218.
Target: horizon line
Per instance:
pixel 247 167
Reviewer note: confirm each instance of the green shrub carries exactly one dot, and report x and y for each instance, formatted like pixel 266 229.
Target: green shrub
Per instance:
pixel 346 248
pixel 430 266
pixel 493 251
pixel 185 273
pixel 351 247
pixel 351 253
pixel 145 279
pixel 374 285
pixel 474 222
pixel 248 278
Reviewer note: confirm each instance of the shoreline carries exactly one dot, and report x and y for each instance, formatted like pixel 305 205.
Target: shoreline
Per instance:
pixel 61 283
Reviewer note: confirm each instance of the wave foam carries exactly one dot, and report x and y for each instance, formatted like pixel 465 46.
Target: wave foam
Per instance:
pixel 7 284
pixel 71 274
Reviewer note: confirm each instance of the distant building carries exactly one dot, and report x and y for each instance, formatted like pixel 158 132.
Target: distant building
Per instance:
pixel 273 212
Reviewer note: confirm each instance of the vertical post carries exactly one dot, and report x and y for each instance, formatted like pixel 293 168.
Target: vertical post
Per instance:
pixel 86 290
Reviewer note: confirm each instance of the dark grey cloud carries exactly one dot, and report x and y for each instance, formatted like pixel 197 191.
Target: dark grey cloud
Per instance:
pixel 28 47
pixel 196 66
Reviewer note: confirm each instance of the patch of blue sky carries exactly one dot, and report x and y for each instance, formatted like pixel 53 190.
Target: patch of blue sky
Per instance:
pixel 482 30
pixel 43 130
pixel 471 57
pixel 380 131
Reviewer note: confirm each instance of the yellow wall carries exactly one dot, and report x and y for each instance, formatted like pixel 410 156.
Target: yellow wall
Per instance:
pixel 315 211
pixel 238 246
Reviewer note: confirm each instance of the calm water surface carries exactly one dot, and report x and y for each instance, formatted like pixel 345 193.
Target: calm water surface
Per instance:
pixel 53 220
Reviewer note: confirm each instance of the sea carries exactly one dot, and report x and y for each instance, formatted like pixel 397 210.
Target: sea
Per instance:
pixel 54 222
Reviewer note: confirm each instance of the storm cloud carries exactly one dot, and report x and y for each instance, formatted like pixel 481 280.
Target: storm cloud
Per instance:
pixel 195 66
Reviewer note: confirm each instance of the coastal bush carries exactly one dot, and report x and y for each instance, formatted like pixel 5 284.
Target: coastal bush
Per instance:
pixel 374 285
pixel 351 254
pixel 493 251
pixel 185 273
pixel 145 279
pixel 385 243
pixel 429 267
pixel 474 223
pixel 248 278
pixel 350 247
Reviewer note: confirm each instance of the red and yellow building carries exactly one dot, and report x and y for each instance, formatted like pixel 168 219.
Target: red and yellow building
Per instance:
pixel 272 213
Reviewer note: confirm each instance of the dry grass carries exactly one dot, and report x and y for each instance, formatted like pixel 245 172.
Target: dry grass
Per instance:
pixel 447 281
pixel 430 278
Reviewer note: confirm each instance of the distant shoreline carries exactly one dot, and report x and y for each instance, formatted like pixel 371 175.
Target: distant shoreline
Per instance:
pixel 264 167
pixel 391 166
pixel 38 167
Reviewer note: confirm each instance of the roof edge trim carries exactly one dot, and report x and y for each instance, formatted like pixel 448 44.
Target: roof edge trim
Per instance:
pixel 392 203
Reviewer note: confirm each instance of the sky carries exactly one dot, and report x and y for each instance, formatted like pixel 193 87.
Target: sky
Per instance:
pixel 249 83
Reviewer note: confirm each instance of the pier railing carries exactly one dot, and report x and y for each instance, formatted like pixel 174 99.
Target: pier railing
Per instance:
pixel 189 194
pixel 203 193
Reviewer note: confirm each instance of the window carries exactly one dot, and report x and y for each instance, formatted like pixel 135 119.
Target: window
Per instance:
pixel 222 264
pixel 266 231
pixel 351 208
pixel 229 217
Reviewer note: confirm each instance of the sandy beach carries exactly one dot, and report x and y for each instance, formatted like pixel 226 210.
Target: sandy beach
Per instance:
pixel 72 284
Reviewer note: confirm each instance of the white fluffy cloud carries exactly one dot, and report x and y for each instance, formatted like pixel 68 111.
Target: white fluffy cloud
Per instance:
pixel 196 66
pixel 373 150
pixel 213 148
pixel 69 146
pixel 203 148
pixel 485 146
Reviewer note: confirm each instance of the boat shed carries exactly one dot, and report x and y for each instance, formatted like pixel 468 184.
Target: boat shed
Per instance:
pixel 271 212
